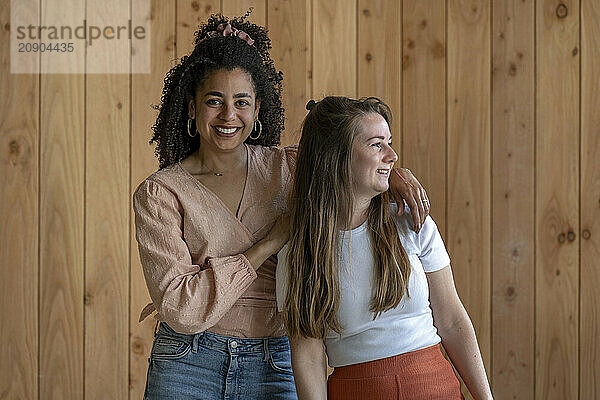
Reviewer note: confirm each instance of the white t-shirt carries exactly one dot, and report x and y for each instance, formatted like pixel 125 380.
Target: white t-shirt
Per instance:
pixel 406 328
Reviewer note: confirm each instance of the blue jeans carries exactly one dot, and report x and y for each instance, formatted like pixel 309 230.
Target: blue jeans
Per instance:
pixel 208 366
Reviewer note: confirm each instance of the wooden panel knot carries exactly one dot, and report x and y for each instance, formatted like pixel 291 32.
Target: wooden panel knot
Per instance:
pixel 171 43
pixel 570 236
pixel 562 11
pixel 137 346
pixel 369 57
pixel 18 152
pixel 438 50
pixel 511 293
pixel 515 253
pixel 561 237
pixel 586 234
pixel 405 61
pixel 14 148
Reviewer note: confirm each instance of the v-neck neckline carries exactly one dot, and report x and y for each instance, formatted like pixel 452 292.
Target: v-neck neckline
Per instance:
pixel 202 186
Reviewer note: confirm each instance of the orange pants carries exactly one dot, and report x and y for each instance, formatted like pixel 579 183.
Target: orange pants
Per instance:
pixel 421 374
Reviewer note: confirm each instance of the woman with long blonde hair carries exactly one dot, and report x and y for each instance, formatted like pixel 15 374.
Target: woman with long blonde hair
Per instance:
pixel 357 282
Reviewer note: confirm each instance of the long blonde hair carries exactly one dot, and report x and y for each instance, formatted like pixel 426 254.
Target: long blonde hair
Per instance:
pixel 321 207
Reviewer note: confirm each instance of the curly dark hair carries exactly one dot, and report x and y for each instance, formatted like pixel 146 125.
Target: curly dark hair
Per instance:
pixel 173 143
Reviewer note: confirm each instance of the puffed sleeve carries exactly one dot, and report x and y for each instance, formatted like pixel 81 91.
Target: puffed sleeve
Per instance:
pixel 189 297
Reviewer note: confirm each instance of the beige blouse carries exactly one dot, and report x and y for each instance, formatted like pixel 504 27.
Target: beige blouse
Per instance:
pixel 191 248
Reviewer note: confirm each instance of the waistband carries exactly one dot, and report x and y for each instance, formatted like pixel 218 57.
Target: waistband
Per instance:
pixel 227 344
pixel 426 358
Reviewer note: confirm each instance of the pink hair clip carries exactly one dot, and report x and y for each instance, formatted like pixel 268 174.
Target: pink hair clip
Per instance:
pixel 225 29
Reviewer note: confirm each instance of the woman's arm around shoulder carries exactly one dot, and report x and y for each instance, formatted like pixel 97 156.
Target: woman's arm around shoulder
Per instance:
pixel 456 330
pixel 405 188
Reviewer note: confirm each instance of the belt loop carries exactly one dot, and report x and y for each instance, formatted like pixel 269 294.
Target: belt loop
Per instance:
pixel 195 342
pixel 266 346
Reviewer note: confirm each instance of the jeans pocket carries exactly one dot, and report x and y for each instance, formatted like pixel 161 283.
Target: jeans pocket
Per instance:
pixel 281 361
pixel 166 348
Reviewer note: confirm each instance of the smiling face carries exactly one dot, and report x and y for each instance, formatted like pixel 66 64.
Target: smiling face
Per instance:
pixel 224 109
pixel 372 158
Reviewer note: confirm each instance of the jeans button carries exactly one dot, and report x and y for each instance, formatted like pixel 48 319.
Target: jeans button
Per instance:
pixel 233 344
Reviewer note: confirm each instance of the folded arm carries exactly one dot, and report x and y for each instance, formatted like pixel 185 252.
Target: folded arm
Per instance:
pixel 189 297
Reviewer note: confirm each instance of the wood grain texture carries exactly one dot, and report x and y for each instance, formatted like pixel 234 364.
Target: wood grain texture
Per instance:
pixel 62 135
pixel 237 8
pixel 380 58
pixel 334 48
pixel 557 200
pixel 107 217
pixel 107 236
pixel 513 218
pixel 589 314
pixel 424 99
pixel 143 163
pixel 511 190
pixel 290 30
pixel 19 213
pixel 468 163
pixel 190 15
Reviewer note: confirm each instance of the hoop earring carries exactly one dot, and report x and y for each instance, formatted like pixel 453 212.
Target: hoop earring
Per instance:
pixel 259 129
pixel 189 126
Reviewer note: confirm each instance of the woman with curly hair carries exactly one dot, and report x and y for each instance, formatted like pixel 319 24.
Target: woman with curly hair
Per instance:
pixel 357 280
pixel 209 221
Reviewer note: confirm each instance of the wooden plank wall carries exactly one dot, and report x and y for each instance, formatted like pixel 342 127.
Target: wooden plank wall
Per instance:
pixel 589 202
pixel 468 153
pixel 62 221
pixel 20 226
pixel 423 118
pixel 164 35
pixel 495 110
pixel 513 212
pixel 557 200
